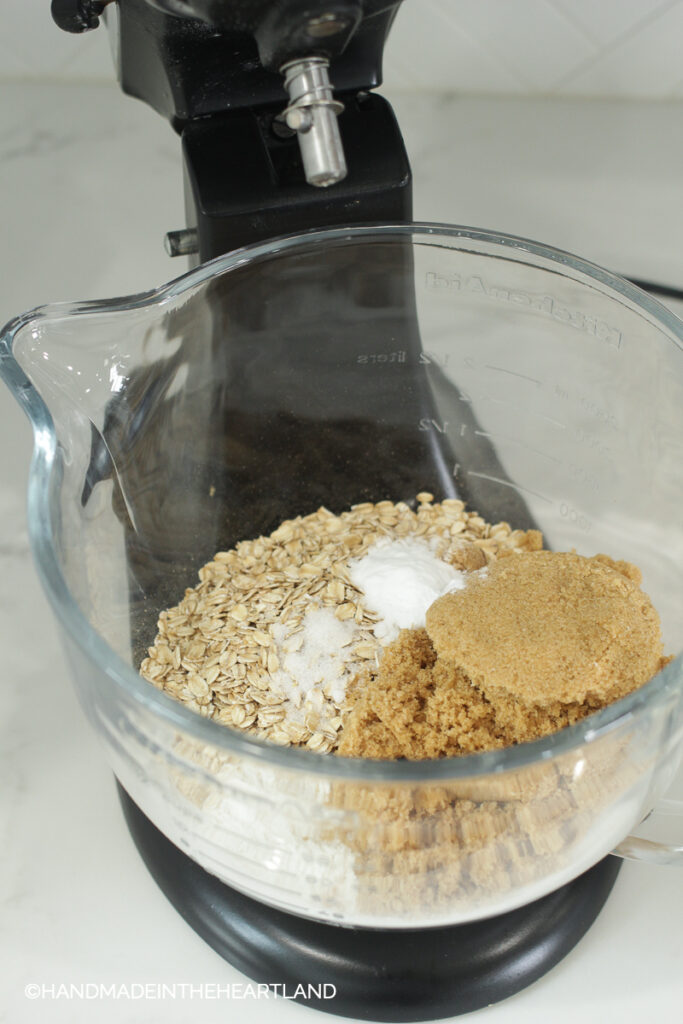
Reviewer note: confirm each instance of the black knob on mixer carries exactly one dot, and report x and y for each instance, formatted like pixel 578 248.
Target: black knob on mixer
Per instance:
pixel 77 15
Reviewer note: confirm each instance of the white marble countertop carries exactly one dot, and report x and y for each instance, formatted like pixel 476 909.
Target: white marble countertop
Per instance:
pixel 89 183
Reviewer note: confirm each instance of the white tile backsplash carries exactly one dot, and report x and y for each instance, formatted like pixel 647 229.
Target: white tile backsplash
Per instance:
pixel 647 63
pixel 30 42
pixel 604 21
pixel 433 52
pixel 533 40
pixel 629 48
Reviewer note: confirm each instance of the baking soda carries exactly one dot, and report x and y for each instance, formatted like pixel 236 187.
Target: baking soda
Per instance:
pixel 400 579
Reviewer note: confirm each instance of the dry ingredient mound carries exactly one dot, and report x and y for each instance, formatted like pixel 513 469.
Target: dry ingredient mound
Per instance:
pixel 553 626
pixel 299 637
pixel 401 579
pixel 277 628
pixel 528 646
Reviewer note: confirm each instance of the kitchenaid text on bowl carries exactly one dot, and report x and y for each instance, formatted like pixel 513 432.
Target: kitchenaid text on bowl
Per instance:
pixel 541 302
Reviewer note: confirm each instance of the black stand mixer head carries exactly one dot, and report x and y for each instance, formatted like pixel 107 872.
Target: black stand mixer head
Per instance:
pixel 246 84
pixel 269 148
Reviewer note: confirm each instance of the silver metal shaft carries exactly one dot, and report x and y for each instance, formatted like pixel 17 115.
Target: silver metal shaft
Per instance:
pixel 312 114
pixel 184 242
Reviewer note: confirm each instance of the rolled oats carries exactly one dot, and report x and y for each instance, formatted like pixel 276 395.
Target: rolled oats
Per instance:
pixel 217 652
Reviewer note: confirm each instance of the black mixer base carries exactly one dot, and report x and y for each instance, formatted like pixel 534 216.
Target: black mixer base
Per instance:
pixel 388 975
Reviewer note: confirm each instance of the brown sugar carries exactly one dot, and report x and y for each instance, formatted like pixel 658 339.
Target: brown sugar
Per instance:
pixel 415 710
pixel 423 707
pixel 533 643
pixel 530 645
pixel 550 627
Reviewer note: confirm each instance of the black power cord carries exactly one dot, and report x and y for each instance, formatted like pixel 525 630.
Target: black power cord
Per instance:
pixel 665 290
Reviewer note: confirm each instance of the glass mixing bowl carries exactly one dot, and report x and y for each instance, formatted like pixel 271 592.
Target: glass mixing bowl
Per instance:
pixel 327 369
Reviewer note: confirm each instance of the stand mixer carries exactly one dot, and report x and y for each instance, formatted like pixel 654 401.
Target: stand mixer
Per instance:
pixel 258 165
pixel 221 73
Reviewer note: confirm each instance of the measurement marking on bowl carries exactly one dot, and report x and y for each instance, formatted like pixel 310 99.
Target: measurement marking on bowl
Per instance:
pixel 522 444
pixel 248 858
pixel 581 473
pixel 588 404
pixel 257 847
pixel 576 517
pixel 380 358
pixel 226 867
pixel 508 483
pixel 513 373
pixel 426 424
pixel 527 412
pixel 594 443
pixel 431 358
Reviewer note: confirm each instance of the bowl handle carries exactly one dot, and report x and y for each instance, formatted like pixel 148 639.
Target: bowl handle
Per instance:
pixel 637 848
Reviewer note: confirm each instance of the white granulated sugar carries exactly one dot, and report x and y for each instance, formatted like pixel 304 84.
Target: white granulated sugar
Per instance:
pixel 314 658
pixel 400 579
